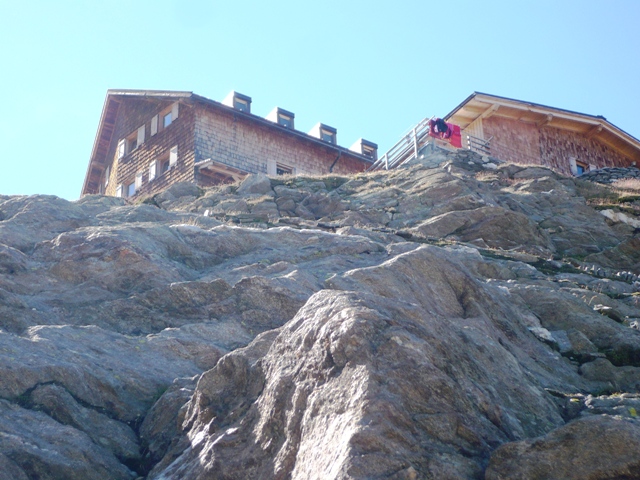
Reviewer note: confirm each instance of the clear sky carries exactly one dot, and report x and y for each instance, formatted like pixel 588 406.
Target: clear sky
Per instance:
pixel 369 69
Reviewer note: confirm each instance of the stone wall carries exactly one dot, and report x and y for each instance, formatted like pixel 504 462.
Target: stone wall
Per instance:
pixel 610 175
pixel 134 113
pixel 233 139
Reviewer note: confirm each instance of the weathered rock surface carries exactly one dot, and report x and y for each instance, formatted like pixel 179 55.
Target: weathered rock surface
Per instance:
pixel 440 321
pixel 600 447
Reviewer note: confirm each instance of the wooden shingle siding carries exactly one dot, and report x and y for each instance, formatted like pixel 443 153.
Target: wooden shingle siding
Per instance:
pixel 143 145
pixel 527 144
pixel 557 146
pixel 232 139
pixel 180 133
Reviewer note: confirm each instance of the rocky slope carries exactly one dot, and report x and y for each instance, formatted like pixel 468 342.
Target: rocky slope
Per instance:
pixel 451 319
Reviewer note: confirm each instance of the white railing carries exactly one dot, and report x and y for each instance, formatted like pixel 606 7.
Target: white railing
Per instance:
pixel 406 149
pixel 479 145
pixel 412 142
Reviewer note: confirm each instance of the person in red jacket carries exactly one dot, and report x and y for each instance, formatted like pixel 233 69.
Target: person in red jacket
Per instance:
pixel 438 128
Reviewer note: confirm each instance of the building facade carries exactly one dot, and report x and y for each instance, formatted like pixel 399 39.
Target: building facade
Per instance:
pixel 527 133
pixel 148 140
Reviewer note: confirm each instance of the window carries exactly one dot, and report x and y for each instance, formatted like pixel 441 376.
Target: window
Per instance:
pixel 369 151
pixel 285 120
pixel 132 143
pixel 154 125
pixel 165 162
pixel 282 117
pixel 282 169
pixel 327 136
pixel 119 191
pixel 166 120
pixel 138 181
pixel 133 140
pixel 107 173
pixel 241 104
pixel 577 167
pixel 131 189
pixel 167 117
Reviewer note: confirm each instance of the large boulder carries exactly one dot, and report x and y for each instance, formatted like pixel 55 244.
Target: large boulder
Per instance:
pixel 597 448
pixel 255 184
pixel 378 379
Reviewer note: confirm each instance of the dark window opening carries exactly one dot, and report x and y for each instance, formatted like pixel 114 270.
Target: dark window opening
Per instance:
pixel 283 169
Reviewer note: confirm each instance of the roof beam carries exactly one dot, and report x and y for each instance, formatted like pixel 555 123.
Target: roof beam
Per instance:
pixel 545 121
pixel 595 130
pixel 491 111
pixel 544 111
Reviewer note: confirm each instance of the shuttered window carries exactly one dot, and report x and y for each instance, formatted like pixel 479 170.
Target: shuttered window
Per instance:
pixel 121 147
pixel 140 139
pixel 173 156
pixel 153 167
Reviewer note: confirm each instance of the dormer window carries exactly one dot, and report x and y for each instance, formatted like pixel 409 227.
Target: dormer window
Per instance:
pixel 369 151
pixel 365 148
pixel 285 120
pixel 238 101
pixel 282 117
pixel 324 132
pixel 240 104
pixel 328 136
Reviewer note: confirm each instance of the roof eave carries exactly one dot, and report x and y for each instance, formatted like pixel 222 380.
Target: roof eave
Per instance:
pixel 95 145
pixel 545 109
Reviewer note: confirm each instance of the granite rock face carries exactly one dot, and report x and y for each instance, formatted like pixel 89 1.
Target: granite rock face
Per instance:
pixel 444 320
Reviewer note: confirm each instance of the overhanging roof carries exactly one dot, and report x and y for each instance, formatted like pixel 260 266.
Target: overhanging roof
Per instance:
pixel 482 105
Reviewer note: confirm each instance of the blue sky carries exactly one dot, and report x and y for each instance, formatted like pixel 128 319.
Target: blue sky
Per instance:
pixel 369 69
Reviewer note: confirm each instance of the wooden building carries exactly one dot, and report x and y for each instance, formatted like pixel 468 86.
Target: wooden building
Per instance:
pixel 149 139
pixel 532 134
